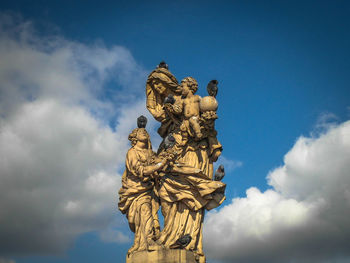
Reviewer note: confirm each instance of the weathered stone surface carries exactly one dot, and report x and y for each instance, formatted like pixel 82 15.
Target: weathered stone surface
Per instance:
pixel 179 177
pixel 162 256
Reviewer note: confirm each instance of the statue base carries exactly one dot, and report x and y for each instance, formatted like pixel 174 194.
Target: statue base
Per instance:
pixel 163 256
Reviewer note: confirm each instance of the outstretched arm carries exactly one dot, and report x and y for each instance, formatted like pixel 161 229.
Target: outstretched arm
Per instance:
pixel 147 170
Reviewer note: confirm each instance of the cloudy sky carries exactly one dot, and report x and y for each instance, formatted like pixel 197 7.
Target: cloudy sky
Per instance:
pixel 72 81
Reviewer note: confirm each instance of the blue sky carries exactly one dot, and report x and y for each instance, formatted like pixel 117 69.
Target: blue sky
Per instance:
pixel 283 69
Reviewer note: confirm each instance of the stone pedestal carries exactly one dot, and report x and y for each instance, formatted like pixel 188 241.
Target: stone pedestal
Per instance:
pixel 162 256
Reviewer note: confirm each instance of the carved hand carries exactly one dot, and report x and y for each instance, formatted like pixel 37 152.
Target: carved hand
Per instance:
pixel 169 107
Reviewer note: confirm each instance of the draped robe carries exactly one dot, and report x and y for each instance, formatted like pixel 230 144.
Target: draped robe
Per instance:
pixel 137 199
pixel 185 191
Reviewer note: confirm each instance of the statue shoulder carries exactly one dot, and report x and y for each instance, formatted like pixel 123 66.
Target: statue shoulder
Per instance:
pixel 132 153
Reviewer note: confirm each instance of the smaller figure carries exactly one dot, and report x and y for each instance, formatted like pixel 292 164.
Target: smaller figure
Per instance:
pixel 137 197
pixel 190 105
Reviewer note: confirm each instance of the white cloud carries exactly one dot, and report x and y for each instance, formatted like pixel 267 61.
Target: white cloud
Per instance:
pixel 229 164
pixel 59 159
pixel 33 67
pixel 303 218
pixel 325 121
pixel 112 235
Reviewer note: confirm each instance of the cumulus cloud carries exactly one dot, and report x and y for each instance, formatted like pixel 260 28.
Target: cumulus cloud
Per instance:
pixel 34 66
pixel 304 217
pixel 59 158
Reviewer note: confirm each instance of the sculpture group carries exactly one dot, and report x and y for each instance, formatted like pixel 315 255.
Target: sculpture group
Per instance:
pixel 178 178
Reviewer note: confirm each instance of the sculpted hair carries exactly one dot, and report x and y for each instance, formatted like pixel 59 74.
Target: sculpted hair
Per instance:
pixel 133 138
pixel 192 83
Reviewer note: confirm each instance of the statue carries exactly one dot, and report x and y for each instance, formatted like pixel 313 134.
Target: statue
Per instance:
pixel 179 177
pixel 137 197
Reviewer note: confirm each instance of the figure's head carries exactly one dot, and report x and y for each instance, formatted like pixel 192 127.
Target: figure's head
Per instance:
pixel 162 81
pixel 189 84
pixel 140 134
pixel 159 86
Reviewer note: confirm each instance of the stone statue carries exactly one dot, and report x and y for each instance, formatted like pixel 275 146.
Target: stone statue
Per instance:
pixel 179 178
pixel 137 198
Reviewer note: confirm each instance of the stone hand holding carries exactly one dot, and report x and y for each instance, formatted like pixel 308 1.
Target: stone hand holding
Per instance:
pixel 169 108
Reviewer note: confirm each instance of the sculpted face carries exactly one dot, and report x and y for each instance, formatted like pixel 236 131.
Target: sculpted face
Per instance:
pixel 159 87
pixel 185 88
pixel 142 135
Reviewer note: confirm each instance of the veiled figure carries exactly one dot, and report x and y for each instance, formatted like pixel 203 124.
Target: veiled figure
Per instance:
pixel 137 198
pixel 185 192
pixel 185 188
